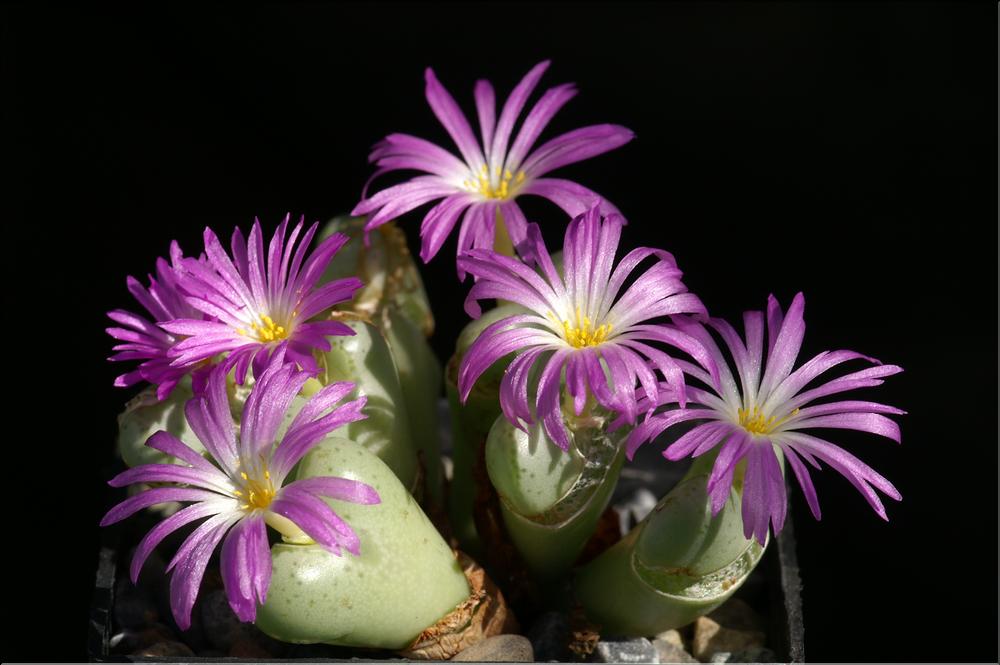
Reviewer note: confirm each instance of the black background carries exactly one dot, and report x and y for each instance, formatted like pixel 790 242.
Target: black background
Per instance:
pixel 845 150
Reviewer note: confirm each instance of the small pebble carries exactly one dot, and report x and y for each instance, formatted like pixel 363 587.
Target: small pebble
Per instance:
pixel 754 655
pixel 710 637
pixel 668 652
pixel 638 650
pixel 634 508
pixel 319 651
pixel 549 637
pixel 642 503
pixel 133 639
pixel 499 649
pixel 735 613
pixel 134 608
pixel 165 649
pixel 249 648
pixel 672 636
pixel 221 625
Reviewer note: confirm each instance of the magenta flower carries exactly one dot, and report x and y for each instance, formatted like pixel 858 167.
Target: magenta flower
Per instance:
pixel 769 412
pixel 143 339
pixel 578 323
pixel 260 300
pixel 242 491
pixel 489 177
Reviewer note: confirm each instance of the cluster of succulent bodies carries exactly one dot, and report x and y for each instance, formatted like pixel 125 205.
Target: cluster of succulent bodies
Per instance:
pixel 584 360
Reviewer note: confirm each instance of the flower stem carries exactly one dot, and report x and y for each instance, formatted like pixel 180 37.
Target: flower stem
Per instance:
pixel 501 239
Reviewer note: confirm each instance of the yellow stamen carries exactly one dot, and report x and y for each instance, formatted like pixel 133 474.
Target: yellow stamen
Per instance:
pixel 267 330
pixel 259 491
pixel 581 332
pixel 496 188
pixel 754 421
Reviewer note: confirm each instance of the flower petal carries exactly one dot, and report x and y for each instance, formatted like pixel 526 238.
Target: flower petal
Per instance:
pixel 212 422
pixel 547 405
pixel 512 109
pixel 785 348
pixel 720 481
pixel 496 341
pixel 341 489
pixel 862 422
pixel 699 440
pixel 486 111
pixel 167 443
pixel 805 480
pixel 454 121
pixel 245 565
pixel 183 516
pixel 654 425
pixel 266 406
pixel 190 562
pixel 857 472
pixel 575 146
pixel 307 431
pixel 535 122
pixel 439 222
pixel 816 366
pixel 173 473
pixel 153 496
pixel 574 199
pixel 865 378
pixel 316 519
pixel 514 398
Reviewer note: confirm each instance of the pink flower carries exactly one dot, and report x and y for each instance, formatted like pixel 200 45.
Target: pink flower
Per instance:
pixel 580 325
pixel 143 339
pixel 241 488
pixel 490 176
pixel 766 413
pixel 259 301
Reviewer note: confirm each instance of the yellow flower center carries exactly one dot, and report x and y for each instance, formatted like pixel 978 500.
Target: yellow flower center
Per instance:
pixel 754 421
pixel 257 492
pixel 580 332
pixel 483 184
pixel 266 331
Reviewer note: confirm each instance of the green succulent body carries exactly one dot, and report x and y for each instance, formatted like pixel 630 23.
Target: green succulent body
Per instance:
pixel 551 499
pixel 364 359
pixel 404 581
pixel 679 563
